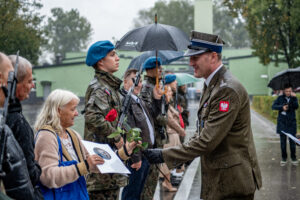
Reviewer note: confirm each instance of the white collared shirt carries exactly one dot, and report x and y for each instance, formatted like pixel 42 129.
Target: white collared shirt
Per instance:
pixel 150 127
pixel 207 81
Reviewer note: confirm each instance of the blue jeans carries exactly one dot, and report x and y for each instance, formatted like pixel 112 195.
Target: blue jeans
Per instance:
pixel 283 147
pixel 136 181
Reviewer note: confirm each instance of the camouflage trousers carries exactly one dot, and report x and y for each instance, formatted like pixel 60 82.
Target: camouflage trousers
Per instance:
pixel 150 184
pixel 105 194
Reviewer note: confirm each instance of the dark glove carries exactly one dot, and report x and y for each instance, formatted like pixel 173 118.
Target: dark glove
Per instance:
pixel 154 156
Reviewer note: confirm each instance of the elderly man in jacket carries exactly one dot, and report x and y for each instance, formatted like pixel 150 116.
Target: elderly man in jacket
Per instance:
pixel 16 180
pixel 139 116
pixel 19 125
pixel 224 138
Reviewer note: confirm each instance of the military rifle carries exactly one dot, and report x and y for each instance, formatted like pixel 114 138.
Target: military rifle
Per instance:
pixel 10 96
pixel 127 101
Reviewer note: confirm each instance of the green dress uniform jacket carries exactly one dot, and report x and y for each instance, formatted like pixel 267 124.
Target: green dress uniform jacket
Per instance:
pixel 224 141
pixel 102 95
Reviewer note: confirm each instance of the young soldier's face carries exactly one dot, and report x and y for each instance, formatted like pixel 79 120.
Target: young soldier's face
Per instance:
pixel 110 63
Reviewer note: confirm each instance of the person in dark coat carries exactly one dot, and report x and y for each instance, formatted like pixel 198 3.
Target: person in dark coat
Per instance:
pixel 139 116
pixel 19 125
pixel 16 179
pixel 286 105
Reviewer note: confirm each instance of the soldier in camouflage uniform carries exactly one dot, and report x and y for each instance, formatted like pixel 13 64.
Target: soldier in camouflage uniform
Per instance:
pixel 159 123
pixel 102 96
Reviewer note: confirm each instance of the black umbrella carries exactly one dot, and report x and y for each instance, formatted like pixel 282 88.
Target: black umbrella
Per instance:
pixel 154 37
pixel 166 57
pixel 289 76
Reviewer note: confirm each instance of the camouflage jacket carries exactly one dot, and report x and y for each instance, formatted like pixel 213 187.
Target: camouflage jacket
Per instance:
pixel 160 121
pixel 101 96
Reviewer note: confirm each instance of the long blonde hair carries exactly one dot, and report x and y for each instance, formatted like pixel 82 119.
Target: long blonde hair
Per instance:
pixel 49 113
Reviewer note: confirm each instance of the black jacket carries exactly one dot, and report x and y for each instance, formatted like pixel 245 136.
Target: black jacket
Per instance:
pixel 16 179
pixel 137 119
pixel 25 137
pixel 286 122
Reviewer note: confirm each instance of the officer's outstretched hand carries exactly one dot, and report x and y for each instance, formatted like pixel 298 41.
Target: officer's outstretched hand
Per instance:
pixel 154 156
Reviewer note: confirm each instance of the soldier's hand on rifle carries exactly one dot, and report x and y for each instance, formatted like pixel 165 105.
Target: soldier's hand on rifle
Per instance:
pixel 120 143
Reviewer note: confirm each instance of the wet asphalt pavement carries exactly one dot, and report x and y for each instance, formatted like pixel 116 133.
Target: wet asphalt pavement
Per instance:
pixel 279 183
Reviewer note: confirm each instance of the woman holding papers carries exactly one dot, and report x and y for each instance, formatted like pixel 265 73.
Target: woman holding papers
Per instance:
pixel 59 150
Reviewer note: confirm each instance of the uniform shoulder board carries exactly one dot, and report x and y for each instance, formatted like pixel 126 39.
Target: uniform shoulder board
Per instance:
pixel 223 83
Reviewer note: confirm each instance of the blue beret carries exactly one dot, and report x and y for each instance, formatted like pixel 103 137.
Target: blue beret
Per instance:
pixel 98 51
pixel 169 78
pixel 150 63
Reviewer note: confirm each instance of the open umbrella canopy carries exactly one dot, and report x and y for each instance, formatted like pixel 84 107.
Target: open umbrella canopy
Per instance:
pixel 289 76
pixel 184 78
pixel 154 37
pixel 166 57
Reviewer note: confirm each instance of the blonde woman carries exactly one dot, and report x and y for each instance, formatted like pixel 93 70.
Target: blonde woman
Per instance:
pixel 59 151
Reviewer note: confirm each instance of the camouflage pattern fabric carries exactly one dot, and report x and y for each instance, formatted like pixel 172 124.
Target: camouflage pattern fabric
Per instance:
pixel 102 95
pixel 150 184
pixel 160 121
pixel 105 195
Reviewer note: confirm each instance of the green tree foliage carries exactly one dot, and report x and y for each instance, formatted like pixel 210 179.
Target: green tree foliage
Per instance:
pixel 20 28
pixel 67 31
pixel 231 30
pixel 273 27
pixel 179 13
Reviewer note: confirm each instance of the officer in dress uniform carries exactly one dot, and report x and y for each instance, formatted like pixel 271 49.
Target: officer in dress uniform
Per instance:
pixel 224 139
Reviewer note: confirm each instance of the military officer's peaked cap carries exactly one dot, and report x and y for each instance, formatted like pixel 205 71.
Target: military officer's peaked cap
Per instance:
pixel 150 63
pixel 98 51
pixel 169 78
pixel 204 42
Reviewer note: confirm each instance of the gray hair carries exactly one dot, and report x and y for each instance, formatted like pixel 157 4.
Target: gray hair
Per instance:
pixel 49 113
pixel 24 64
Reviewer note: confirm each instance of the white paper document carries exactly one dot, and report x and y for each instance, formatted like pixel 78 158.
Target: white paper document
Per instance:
pixel 112 163
pixel 292 137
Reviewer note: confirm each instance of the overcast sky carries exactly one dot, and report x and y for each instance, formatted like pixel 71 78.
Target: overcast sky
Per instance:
pixel 109 18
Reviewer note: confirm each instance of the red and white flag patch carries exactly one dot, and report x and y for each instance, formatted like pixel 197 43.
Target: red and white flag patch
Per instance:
pixel 224 106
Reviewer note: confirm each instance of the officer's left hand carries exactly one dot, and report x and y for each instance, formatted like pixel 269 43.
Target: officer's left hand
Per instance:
pixel 154 156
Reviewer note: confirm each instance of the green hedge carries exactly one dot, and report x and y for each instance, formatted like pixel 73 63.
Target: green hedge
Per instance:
pixel 263 105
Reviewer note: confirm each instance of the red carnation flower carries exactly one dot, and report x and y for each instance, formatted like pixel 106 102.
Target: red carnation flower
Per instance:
pixel 111 115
